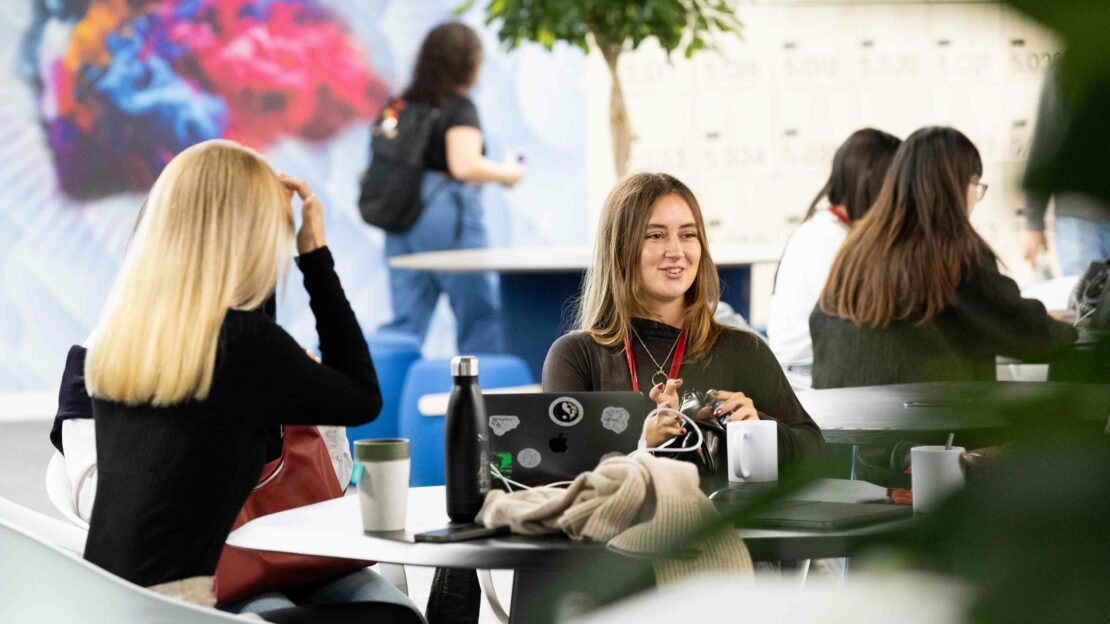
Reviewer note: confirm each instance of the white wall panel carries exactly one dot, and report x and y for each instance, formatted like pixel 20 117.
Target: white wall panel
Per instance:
pixel 753 128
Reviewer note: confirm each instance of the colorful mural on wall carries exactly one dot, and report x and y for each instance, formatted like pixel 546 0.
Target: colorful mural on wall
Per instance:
pixel 141 80
pixel 97 95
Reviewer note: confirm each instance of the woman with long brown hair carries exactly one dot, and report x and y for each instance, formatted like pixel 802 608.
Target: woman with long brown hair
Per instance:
pixel 646 322
pixel 915 293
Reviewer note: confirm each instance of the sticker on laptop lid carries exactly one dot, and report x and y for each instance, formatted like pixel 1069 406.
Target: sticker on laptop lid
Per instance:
pixel 565 411
pixel 529 458
pixel 504 463
pixel 615 419
pixel 501 424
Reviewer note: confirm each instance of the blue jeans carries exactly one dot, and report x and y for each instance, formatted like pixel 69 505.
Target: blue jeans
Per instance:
pixel 452 219
pixel 1080 242
pixel 359 586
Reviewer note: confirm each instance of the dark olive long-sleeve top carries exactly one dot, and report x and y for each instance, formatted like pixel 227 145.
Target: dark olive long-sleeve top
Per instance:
pixel 739 362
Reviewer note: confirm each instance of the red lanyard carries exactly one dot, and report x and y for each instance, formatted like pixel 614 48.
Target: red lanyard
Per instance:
pixel 841 214
pixel 679 351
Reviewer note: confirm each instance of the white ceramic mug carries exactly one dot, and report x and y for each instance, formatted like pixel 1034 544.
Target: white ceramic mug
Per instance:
pixel 753 451
pixel 384 487
pixel 936 475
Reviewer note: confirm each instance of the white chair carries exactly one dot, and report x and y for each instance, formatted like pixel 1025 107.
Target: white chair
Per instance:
pixel 60 491
pixel 43 527
pixel 40 582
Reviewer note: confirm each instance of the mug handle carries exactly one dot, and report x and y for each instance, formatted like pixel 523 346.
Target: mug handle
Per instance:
pixel 738 464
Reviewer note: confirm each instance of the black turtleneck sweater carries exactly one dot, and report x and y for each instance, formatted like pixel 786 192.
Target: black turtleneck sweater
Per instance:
pixel 172 479
pixel 739 362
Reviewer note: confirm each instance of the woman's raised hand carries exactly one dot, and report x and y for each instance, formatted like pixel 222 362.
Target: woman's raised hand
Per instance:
pixel 666 394
pixel 514 171
pixel 665 425
pixel 311 235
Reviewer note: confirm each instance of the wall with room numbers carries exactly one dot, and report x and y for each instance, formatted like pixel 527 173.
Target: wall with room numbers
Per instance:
pixel 753 128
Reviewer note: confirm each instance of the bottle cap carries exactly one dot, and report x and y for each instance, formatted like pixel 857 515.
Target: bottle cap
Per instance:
pixel 464 366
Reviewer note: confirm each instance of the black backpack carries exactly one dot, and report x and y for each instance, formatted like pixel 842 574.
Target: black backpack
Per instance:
pixel 390 195
pixel 1088 361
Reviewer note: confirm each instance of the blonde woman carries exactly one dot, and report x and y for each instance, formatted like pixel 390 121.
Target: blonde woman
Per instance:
pixel 187 374
pixel 646 322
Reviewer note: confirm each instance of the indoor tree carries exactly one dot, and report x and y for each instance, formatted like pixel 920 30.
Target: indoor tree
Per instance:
pixel 614 26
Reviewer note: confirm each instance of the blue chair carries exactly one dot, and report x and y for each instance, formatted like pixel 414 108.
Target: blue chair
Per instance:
pixel 393 354
pixel 426 432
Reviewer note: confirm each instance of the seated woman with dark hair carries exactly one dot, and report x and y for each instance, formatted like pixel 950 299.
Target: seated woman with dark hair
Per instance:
pixel 915 293
pixel 858 169
pixel 646 320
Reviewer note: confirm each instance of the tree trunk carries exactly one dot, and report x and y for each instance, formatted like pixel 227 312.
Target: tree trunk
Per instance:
pixel 619 126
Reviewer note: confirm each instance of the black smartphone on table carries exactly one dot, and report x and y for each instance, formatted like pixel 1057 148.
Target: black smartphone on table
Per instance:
pixel 460 533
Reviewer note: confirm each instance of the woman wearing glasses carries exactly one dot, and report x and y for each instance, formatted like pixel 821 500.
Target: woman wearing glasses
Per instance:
pixel 646 323
pixel 915 293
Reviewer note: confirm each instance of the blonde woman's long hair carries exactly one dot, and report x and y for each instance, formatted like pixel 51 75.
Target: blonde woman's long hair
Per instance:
pixel 613 293
pixel 216 233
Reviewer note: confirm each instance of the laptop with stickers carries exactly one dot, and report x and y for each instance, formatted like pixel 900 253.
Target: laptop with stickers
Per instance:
pixel 538 438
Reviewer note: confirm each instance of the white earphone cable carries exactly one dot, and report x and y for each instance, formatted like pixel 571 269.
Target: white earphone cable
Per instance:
pixel 666 445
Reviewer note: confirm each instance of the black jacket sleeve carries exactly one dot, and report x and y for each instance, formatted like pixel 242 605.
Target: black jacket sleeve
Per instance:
pixel 991 318
pixel 73 399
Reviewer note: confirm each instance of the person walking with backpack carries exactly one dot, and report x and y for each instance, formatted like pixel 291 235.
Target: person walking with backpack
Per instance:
pixel 450 209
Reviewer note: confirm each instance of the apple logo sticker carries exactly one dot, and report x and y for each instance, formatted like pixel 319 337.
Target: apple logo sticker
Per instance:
pixel 565 411
pixel 558 444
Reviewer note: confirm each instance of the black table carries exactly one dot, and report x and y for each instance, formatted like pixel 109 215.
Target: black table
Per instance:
pixel 795 545
pixel 928 412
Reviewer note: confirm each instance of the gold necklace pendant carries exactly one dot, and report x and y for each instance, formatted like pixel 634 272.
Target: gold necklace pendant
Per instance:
pixel 653 360
pixel 658 373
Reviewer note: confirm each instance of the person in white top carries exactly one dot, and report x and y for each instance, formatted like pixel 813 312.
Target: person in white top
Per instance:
pixel 858 169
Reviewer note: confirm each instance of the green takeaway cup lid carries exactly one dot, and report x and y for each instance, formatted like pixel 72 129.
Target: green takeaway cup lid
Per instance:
pixel 382 449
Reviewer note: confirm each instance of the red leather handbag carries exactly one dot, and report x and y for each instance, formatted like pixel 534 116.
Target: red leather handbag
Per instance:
pixel 302 475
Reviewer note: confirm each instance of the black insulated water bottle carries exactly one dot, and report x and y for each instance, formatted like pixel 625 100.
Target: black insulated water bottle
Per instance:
pixel 466 442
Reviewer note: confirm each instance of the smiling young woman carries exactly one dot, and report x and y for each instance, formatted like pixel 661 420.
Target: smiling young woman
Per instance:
pixel 646 321
pixel 669 258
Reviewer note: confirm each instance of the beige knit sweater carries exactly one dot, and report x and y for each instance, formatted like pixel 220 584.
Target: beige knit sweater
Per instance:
pixel 638 506
pixel 198 590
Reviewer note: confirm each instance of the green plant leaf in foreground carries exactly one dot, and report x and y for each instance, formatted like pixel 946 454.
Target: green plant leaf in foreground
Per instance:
pixel 1029 534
